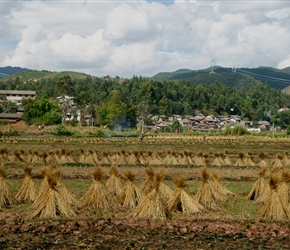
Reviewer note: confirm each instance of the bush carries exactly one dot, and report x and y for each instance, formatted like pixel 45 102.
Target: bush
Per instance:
pixel 239 130
pixel 61 130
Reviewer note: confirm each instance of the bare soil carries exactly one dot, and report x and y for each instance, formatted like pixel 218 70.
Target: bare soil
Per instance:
pixel 131 234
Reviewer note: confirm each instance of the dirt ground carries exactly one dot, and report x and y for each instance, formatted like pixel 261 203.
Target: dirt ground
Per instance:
pixel 131 234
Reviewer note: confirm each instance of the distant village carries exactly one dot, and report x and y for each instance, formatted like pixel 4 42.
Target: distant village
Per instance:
pixel 190 123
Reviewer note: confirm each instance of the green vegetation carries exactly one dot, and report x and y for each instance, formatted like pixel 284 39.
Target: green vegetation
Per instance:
pixel 115 102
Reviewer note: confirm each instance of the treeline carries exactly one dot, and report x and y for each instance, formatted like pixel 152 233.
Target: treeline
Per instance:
pixel 117 101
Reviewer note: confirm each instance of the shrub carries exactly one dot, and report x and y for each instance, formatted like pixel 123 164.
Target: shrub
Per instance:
pixel 239 130
pixel 61 130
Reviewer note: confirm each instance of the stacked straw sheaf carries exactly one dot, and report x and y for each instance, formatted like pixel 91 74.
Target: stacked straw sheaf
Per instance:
pixel 54 200
pixel 98 196
pixel 274 208
pixel 182 201
pixel 28 191
pixel 153 206
pixel 6 196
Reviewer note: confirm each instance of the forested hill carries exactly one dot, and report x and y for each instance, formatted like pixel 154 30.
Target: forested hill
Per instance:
pixel 7 71
pixel 235 78
pixel 36 75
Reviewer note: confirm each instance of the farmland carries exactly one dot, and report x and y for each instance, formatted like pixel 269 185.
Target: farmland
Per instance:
pixel 237 225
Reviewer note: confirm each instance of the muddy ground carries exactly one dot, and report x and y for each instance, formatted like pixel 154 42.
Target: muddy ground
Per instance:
pixel 145 234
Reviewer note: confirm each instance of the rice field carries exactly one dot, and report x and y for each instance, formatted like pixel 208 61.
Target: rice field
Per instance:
pixel 84 165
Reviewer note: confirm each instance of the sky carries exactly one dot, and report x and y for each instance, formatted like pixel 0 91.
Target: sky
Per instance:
pixel 137 37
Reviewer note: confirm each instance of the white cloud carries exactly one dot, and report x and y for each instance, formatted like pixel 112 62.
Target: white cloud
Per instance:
pixel 140 38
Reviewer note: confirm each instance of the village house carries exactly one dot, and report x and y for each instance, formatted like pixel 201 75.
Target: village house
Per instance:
pixel 16 96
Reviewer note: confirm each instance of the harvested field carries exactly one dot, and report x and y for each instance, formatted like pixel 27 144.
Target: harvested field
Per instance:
pixel 235 225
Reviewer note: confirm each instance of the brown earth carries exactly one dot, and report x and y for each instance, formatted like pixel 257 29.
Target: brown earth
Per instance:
pixel 145 234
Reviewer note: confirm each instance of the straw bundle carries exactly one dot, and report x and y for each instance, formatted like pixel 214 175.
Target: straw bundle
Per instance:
pixel 273 208
pixel 143 159
pixel 217 160
pixel 155 159
pixel 98 196
pixel 114 184
pixel 105 160
pixel 221 193
pixel 131 196
pixel 277 162
pixel 28 191
pixel 259 186
pixel 152 206
pixel 263 162
pixel 16 157
pixel 248 160
pixel 53 203
pixel 283 190
pixel 226 159
pixel 165 192
pixel 6 196
pixel 63 157
pixel 53 172
pixel 4 156
pixel 240 162
pixel 147 185
pixel 199 160
pixel 205 194
pixel 286 161
pixel 182 201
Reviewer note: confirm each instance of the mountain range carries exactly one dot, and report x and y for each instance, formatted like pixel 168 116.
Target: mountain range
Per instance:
pixel 232 77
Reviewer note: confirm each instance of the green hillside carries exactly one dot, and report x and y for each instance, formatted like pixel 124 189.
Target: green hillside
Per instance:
pixel 35 75
pixel 241 77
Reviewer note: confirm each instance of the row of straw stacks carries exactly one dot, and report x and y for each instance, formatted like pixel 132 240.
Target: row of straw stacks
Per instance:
pixel 155 158
pixel 152 199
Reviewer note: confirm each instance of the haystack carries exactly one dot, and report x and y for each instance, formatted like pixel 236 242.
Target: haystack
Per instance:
pixel 153 205
pixel 28 190
pixel 131 196
pixel 286 161
pixel 143 159
pixel 147 185
pixel 90 158
pixel 263 162
pixel 4 158
pixel 166 192
pixel 105 160
pixel 205 194
pixel 182 201
pixel 257 191
pixel 217 160
pixel 221 192
pixel 274 208
pixel 63 157
pixel 114 184
pixel 155 159
pixel 6 196
pixel 133 158
pixel 53 172
pixel 240 162
pixel 227 159
pixel 199 160
pixel 284 190
pixel 53 203
pixel 98 196
pixel 248 160
pixel 277 162
pixel 16 157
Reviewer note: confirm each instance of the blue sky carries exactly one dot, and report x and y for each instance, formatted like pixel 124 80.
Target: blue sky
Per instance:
pixel 127 38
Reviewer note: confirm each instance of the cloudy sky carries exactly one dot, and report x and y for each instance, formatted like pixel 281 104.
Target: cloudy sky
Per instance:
pixel 132 37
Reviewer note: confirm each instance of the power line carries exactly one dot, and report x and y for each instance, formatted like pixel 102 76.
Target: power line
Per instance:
pixel 283 80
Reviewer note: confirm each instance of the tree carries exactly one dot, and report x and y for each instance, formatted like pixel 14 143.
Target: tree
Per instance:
pixel 41 111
